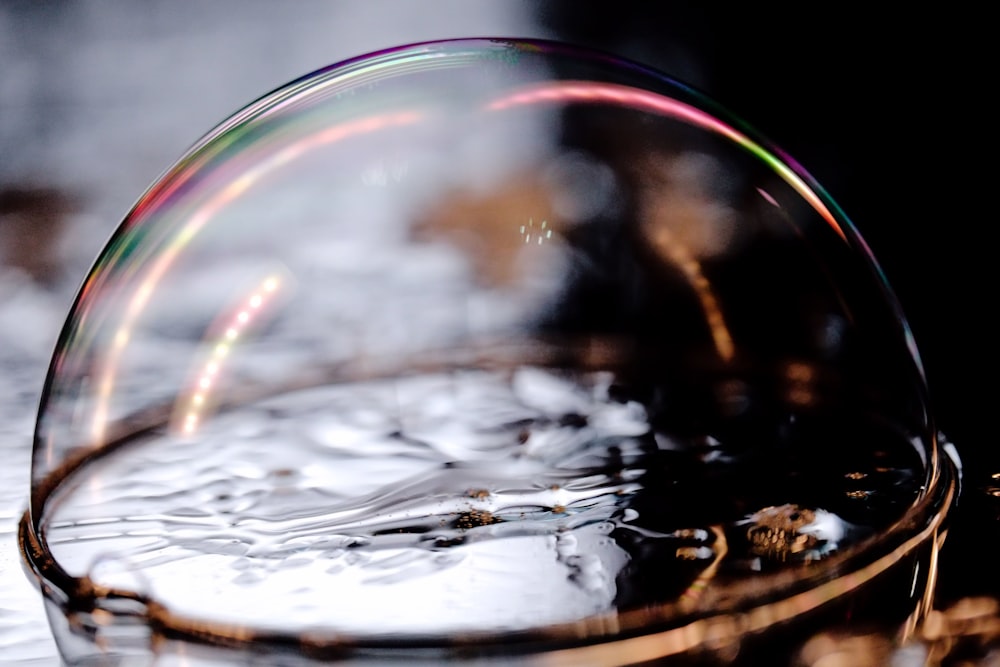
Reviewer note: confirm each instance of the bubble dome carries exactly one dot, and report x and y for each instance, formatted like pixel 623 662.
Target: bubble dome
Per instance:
pixel 478 347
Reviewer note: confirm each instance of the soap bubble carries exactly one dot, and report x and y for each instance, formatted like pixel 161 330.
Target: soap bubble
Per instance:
pixel 471 348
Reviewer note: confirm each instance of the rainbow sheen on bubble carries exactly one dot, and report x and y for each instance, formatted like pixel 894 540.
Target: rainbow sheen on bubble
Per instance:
pixel 480 343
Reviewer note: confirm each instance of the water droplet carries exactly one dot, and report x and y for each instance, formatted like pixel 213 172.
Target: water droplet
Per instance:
pixel 694 553
pixel 794 533
pixel 605 527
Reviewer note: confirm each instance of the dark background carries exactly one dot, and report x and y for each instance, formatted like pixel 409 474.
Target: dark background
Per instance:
pixel 882 111
pixel 886 110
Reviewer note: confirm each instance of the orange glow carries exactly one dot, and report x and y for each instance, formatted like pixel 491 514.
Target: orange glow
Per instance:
pixel 212 368
pixel 680 256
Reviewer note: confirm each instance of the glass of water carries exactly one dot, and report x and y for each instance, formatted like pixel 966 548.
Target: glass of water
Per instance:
pixel 482 351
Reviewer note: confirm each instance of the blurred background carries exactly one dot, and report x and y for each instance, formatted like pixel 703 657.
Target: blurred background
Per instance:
pixel 97 98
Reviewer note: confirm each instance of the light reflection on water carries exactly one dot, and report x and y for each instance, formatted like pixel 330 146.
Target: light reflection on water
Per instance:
pixel 467 501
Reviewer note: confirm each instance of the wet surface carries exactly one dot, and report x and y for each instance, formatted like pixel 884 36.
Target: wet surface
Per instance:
pixel 457 502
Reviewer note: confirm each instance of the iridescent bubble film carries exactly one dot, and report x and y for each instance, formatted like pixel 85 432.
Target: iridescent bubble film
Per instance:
pixel 493 340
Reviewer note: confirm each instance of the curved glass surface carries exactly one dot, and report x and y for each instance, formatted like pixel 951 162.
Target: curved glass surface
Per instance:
pixel 483 342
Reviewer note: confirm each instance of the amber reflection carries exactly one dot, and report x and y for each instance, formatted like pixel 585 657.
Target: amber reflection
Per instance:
pixel 494 229
pixel 192 405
